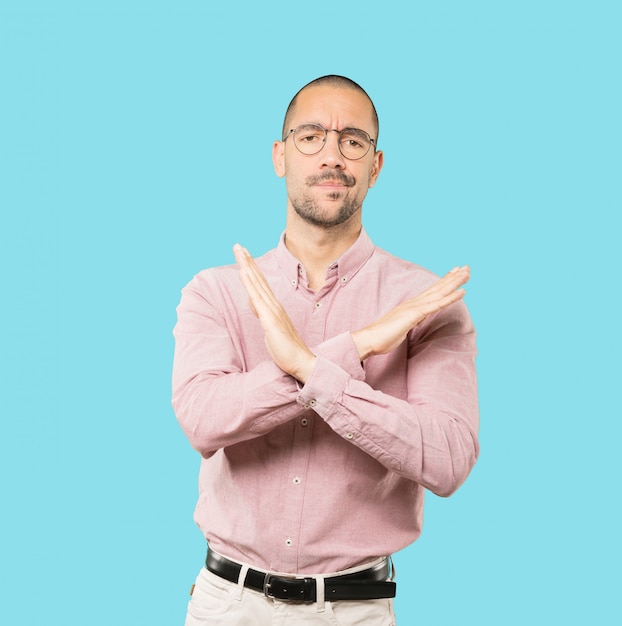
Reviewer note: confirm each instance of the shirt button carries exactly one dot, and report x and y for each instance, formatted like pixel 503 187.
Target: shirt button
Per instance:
pixel 304 421
pixel 349 436
pixel 296 481
pixel 294 282
pixel 312 402
pixel 318 305
pixel 343 279
pixel 289 543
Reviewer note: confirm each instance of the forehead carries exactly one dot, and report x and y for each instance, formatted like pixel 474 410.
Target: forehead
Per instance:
pixel 334 107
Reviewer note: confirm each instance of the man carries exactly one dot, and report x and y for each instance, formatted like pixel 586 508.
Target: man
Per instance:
pixel 326 385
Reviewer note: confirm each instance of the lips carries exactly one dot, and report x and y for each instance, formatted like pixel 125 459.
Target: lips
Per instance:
pixel 337 181
pixel 332 183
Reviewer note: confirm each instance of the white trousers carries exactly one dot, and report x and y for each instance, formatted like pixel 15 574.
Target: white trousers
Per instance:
pixel 216 601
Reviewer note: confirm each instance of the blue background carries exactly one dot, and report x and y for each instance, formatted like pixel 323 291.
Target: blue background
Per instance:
pixel 135 144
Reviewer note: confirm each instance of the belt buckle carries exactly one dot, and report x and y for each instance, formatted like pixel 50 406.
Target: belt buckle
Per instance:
pixel 287 588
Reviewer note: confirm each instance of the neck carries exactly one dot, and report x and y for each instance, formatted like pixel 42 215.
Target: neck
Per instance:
pixel 318 247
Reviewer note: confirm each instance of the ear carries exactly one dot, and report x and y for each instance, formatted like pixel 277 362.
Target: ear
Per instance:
pixel 278 158
pixel 376 167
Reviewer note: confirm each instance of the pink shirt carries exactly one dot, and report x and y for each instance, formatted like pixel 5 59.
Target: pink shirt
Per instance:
pixel 323 477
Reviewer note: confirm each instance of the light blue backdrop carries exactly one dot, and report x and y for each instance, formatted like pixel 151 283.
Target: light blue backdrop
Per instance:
pixel 122 173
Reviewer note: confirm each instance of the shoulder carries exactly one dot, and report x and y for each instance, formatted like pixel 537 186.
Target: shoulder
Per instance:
pixel 222 280
pixel 408 275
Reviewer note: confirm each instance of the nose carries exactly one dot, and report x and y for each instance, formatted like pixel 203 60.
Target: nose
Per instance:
pixel 331 155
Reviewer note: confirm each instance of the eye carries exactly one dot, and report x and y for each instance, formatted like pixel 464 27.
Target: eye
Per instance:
pixel 309 134
pixel 354 139
pixel 308 138
pixel 352 143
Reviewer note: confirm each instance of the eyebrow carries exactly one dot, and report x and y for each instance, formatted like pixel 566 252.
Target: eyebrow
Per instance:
pixel 337 129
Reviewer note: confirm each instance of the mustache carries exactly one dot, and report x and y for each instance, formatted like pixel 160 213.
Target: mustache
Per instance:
pixel 333 175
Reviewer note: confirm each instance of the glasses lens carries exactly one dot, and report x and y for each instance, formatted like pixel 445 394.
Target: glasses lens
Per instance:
pixel 354 143
pixel 309 138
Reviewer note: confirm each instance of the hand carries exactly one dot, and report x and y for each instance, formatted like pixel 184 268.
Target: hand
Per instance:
pixel 284 344
pixel 388 332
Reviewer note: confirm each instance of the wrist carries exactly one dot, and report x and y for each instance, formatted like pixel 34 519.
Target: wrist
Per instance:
pixel 363 347
pixel 304 369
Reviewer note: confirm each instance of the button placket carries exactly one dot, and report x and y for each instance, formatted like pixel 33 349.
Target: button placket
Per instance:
pixel 294 486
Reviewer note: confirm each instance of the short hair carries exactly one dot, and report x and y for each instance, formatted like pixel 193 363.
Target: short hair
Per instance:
pixel 330 80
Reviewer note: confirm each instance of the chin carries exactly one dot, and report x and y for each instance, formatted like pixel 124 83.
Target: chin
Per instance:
pixel 326 218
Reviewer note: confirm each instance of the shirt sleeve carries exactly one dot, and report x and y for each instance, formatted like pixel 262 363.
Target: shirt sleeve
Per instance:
pixel 430 436
pixel 219 398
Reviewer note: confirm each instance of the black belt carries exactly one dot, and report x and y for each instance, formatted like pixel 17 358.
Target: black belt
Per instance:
pixel 367 584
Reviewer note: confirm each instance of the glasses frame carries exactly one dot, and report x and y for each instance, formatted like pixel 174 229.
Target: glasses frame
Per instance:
pixel 372 142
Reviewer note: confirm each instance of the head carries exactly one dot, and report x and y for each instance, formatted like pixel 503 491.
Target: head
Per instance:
pixel 326 188
pixel 332 80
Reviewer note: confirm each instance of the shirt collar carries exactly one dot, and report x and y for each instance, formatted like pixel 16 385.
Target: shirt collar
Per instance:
pixel 350 262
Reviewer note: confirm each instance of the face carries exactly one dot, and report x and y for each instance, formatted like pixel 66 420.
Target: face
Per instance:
pixel 326 189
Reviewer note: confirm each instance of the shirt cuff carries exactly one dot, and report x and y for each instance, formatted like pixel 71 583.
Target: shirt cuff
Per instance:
pixel 342 351
pixel 324 387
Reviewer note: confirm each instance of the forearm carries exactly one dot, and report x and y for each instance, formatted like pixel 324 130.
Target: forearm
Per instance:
pixel 217 409
pixel 218 404
pixel 425 430
pixel 224 382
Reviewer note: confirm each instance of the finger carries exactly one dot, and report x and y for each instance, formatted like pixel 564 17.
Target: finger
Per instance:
pixel 461 275
pixel 454 278
pixel 237 250
pixel 243 259
pixel 261 297
pixel 252 271
pixel 437 297
pixel 251 275
pixel 451 281
pixel 437 304
pixel 251 306
pixel 262 291
pixel 450 298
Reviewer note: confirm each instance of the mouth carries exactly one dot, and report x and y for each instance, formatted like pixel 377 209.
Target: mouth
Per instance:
pixel 332 184
pixel 332 181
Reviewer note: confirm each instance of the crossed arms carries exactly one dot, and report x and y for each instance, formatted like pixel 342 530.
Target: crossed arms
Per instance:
pixel 429 437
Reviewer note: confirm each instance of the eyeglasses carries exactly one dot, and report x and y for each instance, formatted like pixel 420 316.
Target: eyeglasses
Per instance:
pixel 353 143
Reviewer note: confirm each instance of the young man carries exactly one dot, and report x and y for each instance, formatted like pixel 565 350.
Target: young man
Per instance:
pixel 326 385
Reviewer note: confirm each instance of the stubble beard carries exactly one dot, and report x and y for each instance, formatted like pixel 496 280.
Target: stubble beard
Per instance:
pixel 309 209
